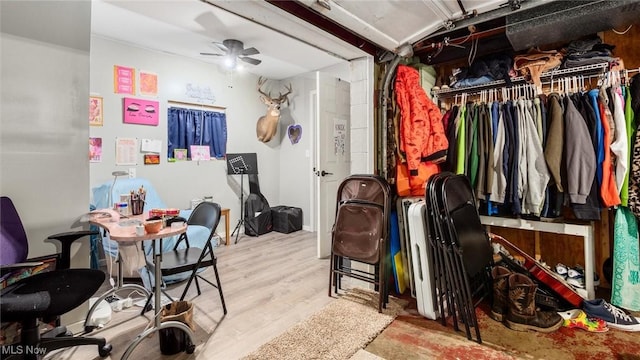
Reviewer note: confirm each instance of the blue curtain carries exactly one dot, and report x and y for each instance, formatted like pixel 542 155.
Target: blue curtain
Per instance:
pixel 188 127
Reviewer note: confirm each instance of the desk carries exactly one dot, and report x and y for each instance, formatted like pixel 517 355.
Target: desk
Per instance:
pixel 124 232
pixel 225 213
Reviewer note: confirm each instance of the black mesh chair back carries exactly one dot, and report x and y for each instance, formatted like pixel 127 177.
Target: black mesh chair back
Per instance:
pixel 360 233
pixel 192 259
pixel 42 289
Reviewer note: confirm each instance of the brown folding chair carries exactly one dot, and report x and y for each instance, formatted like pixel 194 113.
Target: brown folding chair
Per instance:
pixel 360 233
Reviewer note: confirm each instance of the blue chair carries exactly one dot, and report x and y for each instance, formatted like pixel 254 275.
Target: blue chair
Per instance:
pixel 198 235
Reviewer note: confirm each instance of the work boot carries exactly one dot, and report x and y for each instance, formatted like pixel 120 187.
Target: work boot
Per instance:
pixel 500 275
pixel 522 314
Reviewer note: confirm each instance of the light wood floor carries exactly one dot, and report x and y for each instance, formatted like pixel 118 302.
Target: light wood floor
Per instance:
pixel 270 283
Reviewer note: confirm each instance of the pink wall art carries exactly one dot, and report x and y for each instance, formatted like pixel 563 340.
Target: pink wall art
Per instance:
pixel 139 111
pixel 124 80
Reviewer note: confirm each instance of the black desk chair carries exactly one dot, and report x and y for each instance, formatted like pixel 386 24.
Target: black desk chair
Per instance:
pixel 192 258
pixel 44 295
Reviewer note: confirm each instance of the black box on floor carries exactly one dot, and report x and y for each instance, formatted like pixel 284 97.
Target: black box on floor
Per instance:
pixel 286 219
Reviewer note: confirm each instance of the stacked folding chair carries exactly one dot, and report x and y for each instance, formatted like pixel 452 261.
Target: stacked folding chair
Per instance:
pixel 462 253
pixel 360 234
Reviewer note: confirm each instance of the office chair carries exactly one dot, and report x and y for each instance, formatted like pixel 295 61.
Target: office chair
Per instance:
pixel 43 295
pixel 360 233
pixel 192 259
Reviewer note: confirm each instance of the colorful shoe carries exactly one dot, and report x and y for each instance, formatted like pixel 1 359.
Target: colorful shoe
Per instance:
pixel 615 317
pixel 577 318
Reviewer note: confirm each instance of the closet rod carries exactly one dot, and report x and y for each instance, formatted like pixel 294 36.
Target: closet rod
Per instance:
pixel 581 70
pixel 196 104
pixel 519 86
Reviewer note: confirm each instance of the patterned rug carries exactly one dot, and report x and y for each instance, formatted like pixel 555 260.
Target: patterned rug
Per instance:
pixel 338 331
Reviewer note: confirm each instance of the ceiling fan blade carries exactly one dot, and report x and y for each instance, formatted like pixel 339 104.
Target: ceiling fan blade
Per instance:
pixel 211 54
pixel 221 46
pixel 249 60
pixel 250 51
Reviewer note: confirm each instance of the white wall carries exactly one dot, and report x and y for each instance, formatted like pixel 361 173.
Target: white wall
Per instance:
pixel 44 166
pixel 295 159
pixel 359 73
pixel 362 108
pixel 179 182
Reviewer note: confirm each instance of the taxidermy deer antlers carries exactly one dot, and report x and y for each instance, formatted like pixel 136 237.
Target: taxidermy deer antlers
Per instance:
pixel 267 125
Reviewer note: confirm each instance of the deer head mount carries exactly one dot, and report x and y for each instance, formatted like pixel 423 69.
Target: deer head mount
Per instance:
pixel 267 125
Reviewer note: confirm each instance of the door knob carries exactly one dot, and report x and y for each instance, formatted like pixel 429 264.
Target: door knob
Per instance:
pixel 323 173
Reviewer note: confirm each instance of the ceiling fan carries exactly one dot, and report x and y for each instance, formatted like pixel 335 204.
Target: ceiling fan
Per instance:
pixel 234 49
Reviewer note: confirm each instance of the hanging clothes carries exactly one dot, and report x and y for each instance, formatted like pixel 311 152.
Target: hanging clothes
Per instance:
pixel 422 136
pixel 619 146
pixel 591 209
pixel 499 182
pixel 608 191
pixel 634 177
pixel 580 155
pixel 625 285
pixel 537 175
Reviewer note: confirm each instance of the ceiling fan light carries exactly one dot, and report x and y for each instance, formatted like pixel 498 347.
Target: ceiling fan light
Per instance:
pixel 230 62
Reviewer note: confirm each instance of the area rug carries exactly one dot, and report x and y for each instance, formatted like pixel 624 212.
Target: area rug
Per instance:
pixel 413 337
pixel 338 331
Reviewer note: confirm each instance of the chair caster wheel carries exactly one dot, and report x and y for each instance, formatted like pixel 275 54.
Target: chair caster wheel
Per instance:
pixel 105 350
pixel 190 348
pixel 88 329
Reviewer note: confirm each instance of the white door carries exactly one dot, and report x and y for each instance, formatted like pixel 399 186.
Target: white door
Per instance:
pixel 332 152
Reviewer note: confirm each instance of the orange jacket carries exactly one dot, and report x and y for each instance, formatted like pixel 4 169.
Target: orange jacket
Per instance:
pixel 422 136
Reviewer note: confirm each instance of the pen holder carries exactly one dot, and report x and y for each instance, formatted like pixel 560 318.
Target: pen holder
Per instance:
pixel 137 206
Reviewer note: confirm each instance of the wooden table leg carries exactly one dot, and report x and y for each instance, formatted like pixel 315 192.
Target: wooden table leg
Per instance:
pixel 225 213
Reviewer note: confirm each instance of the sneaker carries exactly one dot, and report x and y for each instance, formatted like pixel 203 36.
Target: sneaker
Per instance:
pixel 615 317
pixel 580 270
pixel 575 278
pixel 578 319
pixel 562 270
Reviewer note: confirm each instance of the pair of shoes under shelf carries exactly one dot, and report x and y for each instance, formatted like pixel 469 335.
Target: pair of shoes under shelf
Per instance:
pixel 575 276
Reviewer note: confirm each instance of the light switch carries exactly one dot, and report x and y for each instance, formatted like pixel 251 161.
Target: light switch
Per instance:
pixel 132 173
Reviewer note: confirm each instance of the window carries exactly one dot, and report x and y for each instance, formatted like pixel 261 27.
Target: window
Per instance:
pixel 188 127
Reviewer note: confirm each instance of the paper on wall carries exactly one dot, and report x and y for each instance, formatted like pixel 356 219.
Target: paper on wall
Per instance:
pixel 151 145
pixel 126 151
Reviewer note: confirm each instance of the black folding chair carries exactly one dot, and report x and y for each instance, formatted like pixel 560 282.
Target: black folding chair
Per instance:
pixel 192 258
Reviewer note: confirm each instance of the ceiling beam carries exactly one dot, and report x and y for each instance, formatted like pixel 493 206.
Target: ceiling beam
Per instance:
pixel 303 12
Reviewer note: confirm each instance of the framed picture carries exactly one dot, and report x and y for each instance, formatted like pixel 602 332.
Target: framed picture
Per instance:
pixel 139 111
pixel 95 111
pixel 124 80
pixel 151 159
pixel 180 154
pixel 200 152
pixel 95 149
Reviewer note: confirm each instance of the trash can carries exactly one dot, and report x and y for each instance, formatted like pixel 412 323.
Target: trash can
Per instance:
pixel 174 340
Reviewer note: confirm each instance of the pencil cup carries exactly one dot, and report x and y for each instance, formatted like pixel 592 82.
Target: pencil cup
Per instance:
pixel 137 206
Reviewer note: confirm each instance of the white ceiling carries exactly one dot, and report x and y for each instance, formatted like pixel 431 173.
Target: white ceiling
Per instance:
pixel 188 27
pixel 288 45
